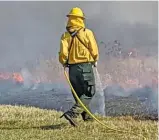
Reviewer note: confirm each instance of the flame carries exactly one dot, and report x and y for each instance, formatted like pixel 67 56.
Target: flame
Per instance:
pixel 132 81
pixel 11 76
pixel 5 76
pixel 17 77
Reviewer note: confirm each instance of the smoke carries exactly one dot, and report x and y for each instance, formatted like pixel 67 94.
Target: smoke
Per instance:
pixel 146 95
pixel 28 78
pixel 32 83
pixel 116 90
pixel 31 29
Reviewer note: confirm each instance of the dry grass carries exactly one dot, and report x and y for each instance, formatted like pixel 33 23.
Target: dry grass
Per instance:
pixel 130 72
pixel 29 123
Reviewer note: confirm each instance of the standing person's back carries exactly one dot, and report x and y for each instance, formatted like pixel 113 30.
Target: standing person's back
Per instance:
pixel 79 51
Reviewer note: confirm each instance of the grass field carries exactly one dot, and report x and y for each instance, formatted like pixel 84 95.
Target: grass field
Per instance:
pixel 29 123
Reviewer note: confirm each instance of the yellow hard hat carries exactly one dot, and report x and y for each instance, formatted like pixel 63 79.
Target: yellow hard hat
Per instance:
pixel 76 12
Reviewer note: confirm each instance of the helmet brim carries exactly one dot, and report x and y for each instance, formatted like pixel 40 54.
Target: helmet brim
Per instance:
pixel 75 16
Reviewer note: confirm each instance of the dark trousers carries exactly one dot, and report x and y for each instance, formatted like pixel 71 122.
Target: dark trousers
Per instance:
pixel 83 81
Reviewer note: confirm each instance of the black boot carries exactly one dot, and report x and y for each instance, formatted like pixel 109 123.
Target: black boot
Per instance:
pixel 69 118
pixel 86 117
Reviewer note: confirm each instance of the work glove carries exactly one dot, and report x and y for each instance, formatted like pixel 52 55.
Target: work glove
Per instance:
pixel 95 64
pixel 65 65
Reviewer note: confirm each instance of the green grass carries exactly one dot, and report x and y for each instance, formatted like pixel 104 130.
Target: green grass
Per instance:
pixel 29 123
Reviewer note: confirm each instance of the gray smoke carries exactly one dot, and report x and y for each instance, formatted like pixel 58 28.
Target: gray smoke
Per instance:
pixel 146 96
pixel 28 78
pixel 31 29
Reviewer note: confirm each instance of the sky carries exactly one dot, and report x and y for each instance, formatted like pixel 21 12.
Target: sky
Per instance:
pixel 30 30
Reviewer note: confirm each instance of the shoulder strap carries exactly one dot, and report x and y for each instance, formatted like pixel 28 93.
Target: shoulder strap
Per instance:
pixel 73 35
pixel 71 44
pixel 83 43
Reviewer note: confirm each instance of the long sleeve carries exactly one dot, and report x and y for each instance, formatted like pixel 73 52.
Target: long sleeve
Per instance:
pixel 63 54
pixel 93 47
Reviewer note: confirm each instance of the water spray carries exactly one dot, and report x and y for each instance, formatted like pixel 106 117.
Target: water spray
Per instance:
pixel 97 104
pixel 112 130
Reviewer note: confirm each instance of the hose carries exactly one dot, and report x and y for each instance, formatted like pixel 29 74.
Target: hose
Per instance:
pixel 85 108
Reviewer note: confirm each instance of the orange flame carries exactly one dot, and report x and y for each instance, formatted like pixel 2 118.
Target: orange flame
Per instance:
pixel 4 76
pixel 14 76
pixel 18 78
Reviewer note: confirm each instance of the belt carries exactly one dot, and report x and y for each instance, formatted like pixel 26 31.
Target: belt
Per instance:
pixel 80 63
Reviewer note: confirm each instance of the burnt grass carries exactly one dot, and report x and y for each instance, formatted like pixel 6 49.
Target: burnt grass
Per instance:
pixel 129 106
pixel 61 100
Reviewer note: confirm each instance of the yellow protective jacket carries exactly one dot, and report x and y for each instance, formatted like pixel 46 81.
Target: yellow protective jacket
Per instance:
pixel 78 53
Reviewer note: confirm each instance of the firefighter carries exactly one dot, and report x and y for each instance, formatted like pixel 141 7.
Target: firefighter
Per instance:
pixel 79 52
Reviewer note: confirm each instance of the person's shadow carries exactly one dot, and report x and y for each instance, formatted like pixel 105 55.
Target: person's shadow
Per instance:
pixel 47 127
pixel 53 127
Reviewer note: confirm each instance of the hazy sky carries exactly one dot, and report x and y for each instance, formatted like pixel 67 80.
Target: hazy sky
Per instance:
pixel 28 29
